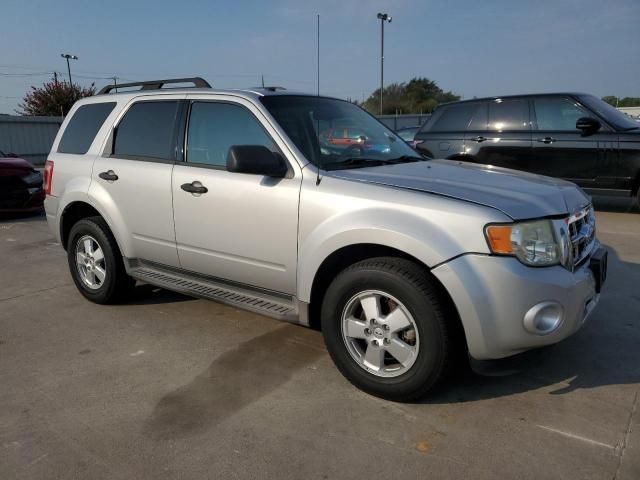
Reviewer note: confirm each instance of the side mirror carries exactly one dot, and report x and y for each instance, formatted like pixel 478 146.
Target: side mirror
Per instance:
pixel 588 125
pixel 256 160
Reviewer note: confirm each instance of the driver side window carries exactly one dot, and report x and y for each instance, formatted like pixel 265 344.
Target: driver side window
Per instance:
pixel 557 114
pixel 215 127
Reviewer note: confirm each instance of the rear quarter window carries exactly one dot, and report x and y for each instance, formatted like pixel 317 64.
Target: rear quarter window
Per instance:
pixel 83 127
pixel 452 118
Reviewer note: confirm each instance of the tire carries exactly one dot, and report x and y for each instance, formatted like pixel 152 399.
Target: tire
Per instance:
pixel 110 284
pixel 410 291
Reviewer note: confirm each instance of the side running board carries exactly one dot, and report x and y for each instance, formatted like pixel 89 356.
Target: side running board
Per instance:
pixel 267 303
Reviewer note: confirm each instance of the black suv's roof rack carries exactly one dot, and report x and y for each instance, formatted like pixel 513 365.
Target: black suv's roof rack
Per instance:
pixel 273 88
pixel 198 82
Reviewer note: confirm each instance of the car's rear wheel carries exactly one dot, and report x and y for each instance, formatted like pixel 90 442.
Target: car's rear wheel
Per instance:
pixel 385 328
pixel 95 262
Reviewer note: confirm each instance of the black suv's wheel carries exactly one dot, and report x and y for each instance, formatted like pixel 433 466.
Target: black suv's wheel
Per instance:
pixel 95 262
pixel 384 326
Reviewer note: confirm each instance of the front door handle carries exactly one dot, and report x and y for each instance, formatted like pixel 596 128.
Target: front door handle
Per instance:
pixel 547 140
pixel 109 176
pixel 479 139
pixel 194 187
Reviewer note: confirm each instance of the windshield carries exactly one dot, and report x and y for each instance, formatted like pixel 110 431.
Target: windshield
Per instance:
pixel 610 113
pixel 337 134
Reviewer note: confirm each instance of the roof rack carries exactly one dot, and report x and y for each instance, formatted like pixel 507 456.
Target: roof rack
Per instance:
pixel 198 82
pixel 271 88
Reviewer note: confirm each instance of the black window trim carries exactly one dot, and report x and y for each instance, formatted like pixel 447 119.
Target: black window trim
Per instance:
pixel 177 130
pixel 185 149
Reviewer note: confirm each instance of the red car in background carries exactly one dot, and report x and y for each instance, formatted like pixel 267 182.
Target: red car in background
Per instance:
pixel 20 185
pixel 344 137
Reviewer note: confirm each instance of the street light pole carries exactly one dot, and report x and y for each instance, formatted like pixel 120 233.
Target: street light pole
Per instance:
pixel 384 17
pixel 69 57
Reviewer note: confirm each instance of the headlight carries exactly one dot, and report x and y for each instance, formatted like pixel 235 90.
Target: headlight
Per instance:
pixel 533 243
pixel 32 178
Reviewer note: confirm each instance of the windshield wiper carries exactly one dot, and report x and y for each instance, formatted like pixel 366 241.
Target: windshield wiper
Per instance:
pixel 358 162
pixel 353 162
pixel 406 159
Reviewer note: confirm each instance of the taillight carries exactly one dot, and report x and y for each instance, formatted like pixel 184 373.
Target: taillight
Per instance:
pixel 48 177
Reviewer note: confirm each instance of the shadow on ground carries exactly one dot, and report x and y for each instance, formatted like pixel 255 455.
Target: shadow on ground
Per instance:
pixel 234 380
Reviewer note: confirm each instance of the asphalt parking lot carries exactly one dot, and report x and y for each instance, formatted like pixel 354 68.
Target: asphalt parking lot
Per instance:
pixel 168 386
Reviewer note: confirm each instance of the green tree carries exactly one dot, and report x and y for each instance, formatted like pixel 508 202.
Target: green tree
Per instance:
pixel 622 102
pixel 53 98
pixel 418 95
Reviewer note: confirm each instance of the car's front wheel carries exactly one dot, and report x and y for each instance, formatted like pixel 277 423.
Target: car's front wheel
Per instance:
pixel 95 262
pixel 385 328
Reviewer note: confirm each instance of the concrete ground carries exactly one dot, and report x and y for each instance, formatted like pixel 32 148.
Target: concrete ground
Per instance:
pixel 171 387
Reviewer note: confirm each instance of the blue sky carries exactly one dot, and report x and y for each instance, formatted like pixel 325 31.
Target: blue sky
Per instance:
pixel 473 47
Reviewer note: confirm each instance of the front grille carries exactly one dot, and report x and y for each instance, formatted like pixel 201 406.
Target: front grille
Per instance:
pixel 582 231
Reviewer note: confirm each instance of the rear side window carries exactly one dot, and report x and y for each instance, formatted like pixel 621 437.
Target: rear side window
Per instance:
pixel 147 130
pixel 215 127
pixel 509 114
pixel 83 127
pixel 453 118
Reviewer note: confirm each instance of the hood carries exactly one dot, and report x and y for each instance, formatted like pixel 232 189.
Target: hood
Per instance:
pixel 10 166
pixel 519 195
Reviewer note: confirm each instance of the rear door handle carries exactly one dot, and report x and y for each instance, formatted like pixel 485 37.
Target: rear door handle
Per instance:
pixel 109 175
pixel 547 140
pixel 194 187
pixel 479 139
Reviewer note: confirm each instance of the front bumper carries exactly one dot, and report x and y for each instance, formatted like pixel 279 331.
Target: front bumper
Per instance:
pixel 21 199
pixel 493 295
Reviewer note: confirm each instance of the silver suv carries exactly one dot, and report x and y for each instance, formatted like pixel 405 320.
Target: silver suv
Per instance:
pixel 245 197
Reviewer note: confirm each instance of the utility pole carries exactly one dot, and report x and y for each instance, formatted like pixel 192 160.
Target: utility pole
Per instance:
pixel 115 83
pixel 69 57
pixel 318 54
pixel 383 17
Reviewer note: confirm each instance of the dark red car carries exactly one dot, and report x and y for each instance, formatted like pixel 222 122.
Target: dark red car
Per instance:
pixel 20 185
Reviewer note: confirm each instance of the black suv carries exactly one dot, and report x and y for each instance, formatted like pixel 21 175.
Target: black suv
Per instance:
pixel 574 136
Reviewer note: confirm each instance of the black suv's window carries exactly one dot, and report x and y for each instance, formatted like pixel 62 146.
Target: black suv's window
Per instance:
pixel 453 118
pixel 83 127
pixel 216 127
pixel 557 113
pixel 509 114
pixel 147 130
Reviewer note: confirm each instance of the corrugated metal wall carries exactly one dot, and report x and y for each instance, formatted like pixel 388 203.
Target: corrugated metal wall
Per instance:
pixel 28 137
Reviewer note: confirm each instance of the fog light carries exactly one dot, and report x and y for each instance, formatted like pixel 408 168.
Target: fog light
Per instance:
pixel 544 318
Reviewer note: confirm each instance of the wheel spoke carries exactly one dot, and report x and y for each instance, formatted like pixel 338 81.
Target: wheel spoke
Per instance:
pixel 80 257
pixel 374 357
pixel 355 328
pixel 99 273
pixel 371 306
pixel 91 277
pixel 397 320
pixel 88 248
pixel 98 255
pixel 402 352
